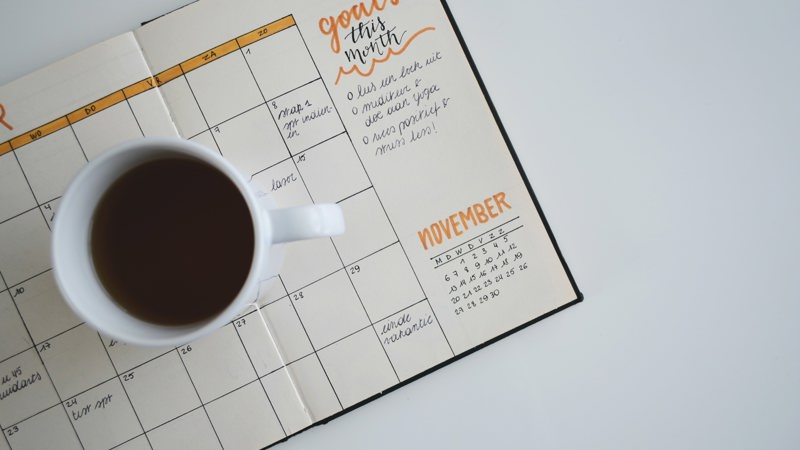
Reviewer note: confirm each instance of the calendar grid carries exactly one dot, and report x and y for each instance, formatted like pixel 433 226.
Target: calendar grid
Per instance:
pixel 372 323
pixel 203 114
pixel 290 156
pixel 40 342
pixel 19 214
pixel 130 440
pixel 118 375
pixel 316 355
pixel 332 292
pixel 358 193
pixel 258 379
pixel 383 208
pixel 5 438
pixel 38 205
pixel 140 87
pixel 202 405
pixel 130 108
pixel 127 396
pixel 303 181
pixel 211 127
pixel 47 372
pixel 75 135
pixel 320 143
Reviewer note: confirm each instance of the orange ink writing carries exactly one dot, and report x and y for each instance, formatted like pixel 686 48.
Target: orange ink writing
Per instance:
pixel 3 117
pixel 457 223
pixel 329 26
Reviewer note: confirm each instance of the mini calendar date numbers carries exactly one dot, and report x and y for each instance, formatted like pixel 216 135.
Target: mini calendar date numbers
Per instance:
pixel 476 272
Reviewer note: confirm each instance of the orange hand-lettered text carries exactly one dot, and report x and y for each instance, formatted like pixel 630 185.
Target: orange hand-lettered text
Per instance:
pixel 330 26
pixel 456 224
pixel 3 117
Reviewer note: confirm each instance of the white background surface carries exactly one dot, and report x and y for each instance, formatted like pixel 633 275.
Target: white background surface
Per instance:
pixel 662 139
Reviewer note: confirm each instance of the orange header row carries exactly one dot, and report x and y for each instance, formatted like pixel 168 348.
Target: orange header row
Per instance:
pixel 147 84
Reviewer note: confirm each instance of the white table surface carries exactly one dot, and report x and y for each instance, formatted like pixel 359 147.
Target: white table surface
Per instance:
pixel 663 141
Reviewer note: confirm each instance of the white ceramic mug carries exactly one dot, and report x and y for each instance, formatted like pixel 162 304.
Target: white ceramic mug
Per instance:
pixel 72 257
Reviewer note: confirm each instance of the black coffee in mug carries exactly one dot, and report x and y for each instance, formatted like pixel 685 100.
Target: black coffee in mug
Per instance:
pixel 172 241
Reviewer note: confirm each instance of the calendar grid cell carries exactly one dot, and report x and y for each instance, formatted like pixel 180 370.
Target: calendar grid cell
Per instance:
pixel 208 127
pixel 235 116
pixel 19 214
pixel 383 208
pixel 350 279
pixel 58 334
pixel 250 360
pixel 72 129
pixel 5 438
pixel 38 205
pixel 353 333
pixel 133 368
pixel 202 405
pixel 272 166
pixel 320 143
pixel 316 355
pixel 238 335
pixel 314 282
pixel 128 102
pixel 372 254
pixel 47 373
pixel 23 419
pixel 288 363
pixel 172 419
pixel 19 283
pixel 133 439
pixel 294 163
pixel 127 396
pixel 267 100
pixel 357 193
pixel 46 419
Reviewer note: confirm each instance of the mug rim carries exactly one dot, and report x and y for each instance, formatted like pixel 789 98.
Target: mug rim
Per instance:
pixel 171 335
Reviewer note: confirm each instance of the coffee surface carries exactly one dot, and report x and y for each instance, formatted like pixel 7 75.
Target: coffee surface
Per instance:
pixel 172 241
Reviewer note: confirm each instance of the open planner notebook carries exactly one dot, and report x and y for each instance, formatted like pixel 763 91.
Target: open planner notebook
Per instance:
pixel 375 106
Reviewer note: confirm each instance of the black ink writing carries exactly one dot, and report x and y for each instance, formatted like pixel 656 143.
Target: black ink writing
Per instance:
pixel 402 327
pixel 282 182
pixel 83 411
pixel 19 384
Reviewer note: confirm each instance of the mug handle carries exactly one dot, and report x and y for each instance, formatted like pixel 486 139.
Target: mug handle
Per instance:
pixel 306 222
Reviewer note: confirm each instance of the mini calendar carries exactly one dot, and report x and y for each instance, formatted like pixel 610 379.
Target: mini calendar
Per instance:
pixel 375 106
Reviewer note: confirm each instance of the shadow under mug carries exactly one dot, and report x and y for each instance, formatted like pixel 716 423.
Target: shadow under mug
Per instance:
pixel 74 269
